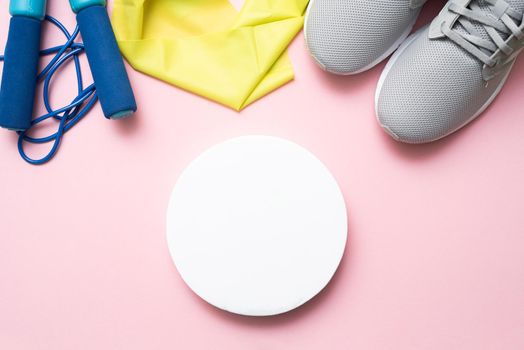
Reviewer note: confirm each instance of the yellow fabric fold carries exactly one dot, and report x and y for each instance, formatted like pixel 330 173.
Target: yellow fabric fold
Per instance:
pixel 207 47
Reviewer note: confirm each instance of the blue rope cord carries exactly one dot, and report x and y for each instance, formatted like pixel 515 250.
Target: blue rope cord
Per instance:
pixel 68 116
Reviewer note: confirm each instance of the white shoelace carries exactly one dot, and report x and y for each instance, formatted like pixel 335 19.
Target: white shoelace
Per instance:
pixel 500 18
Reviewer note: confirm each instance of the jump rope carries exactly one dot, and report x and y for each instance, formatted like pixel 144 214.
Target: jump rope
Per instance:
pixel 20 72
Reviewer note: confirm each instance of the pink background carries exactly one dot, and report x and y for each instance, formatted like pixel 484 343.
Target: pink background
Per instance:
pixel 436 241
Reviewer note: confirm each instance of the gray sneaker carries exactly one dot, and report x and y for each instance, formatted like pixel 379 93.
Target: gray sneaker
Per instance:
pixel 445 75
pixel 351 36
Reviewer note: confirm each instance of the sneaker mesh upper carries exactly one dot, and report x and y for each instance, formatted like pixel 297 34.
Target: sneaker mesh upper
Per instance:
pixel 345 36
pixel 432 89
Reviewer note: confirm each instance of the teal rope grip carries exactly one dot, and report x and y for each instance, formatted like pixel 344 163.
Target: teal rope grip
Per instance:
pixel 28 8
pixel 79 5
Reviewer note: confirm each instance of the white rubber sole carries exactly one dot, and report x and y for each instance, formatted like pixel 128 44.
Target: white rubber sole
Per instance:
pixel 386 71
pixel 385 55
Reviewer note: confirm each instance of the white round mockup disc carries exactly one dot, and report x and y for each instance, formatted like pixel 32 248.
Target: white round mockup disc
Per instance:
pixel 256 225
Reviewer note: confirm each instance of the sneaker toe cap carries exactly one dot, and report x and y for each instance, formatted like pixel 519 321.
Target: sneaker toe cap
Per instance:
pixel 347 37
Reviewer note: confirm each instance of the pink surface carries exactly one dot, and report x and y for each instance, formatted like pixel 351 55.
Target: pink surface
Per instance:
pixel 436 243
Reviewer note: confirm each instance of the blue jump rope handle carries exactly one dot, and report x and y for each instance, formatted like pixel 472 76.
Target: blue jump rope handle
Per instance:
pixel 107 66
pixel 17 92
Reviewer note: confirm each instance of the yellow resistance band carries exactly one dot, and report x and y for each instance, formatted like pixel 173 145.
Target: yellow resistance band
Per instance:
pixel 207 47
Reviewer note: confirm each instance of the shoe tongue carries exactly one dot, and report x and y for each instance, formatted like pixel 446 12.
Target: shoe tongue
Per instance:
pixel 517 5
